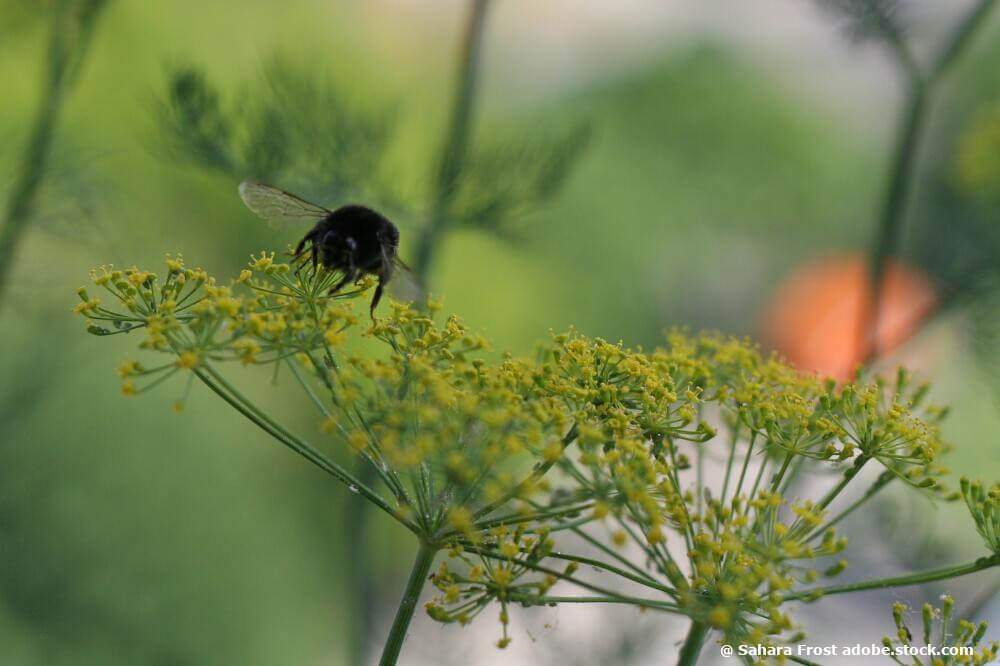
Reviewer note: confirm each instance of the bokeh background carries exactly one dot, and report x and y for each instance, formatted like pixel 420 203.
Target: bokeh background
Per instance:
pixel 624 168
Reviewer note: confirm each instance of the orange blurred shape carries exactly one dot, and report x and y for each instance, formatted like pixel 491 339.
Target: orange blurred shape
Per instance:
pixel 818 317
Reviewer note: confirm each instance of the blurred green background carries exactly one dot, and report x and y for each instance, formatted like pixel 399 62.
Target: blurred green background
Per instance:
pixel 707 163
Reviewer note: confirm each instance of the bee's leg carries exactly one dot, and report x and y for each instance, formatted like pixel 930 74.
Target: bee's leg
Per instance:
pixel 297 261
pixel 378 295
pixel 302 243
pixel 350 275
pixel 300 250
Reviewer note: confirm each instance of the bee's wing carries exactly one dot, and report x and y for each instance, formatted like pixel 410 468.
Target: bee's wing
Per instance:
pixel 401 264
pixel 278 206
pixel 404 285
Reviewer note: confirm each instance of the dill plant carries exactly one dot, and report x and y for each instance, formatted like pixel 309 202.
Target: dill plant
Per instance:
pixel 309 132
pixel 450 437
pixel 674 469
pixel 940 631
pixel 730 555
pixel 677 471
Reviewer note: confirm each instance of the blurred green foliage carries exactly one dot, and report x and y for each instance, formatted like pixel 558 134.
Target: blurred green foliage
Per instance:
pixel 868 19
pixel 71 27
pixel 954 232
pixel 291 127
pixel 134 535
pixel 977 155
pixel 300 129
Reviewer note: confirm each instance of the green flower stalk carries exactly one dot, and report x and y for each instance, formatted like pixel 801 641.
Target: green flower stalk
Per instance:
pixel 947 642
pixel 688 452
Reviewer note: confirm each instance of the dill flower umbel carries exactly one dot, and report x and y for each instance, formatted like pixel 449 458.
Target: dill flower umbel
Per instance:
pixel 687 454
pixel 448 433
pixel 730 553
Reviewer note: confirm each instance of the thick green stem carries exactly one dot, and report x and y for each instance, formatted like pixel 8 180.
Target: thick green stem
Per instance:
pixel 894 207
pixel 900 581
pixel 961 36
pixel 23 195
pixel 920 89
pixel 72 26
pixel 411 595
pixel 456 141
pixel 692 644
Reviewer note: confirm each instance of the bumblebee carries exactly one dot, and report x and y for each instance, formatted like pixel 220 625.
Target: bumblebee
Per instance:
pixel 352 239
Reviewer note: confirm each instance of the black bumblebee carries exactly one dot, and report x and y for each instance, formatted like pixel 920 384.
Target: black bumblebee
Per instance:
pixel 353 239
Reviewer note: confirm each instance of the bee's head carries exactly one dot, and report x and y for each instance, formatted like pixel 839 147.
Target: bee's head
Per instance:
pixel 337 249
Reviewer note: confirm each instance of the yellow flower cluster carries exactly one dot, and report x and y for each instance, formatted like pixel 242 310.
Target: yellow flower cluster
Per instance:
pixel 465 593
pixel 449 433
pixel 265 316
pixel 457 431
pixel 939 631
pixel 984 505
pixel 465 443
pixel 645 420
